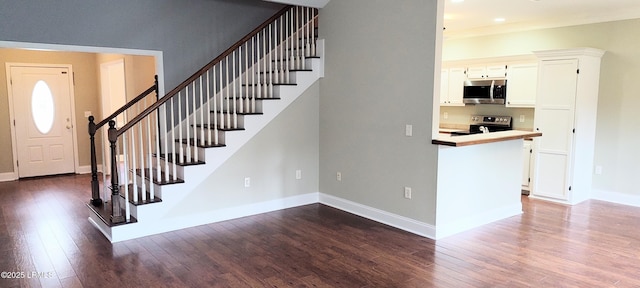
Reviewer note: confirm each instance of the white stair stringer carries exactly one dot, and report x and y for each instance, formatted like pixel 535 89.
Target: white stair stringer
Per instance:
pixel 155 218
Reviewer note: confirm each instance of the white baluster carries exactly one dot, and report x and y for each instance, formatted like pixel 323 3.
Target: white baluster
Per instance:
pixel 270 57
pixel 202 111
pixel 143 183
pixel 133 163
pixel 285 64
pixel 180 147
pixel 208 126
pixel 264 66
pixel 228 96
pixel 125 174
pixel 216 107
pixel 313 33
pixel 174 155
pixel 233 91
pixel 245 100
pixel 167 151
pixel 186 119
pixel 254 63
pixel 195 126
pixel 275 75
pixel 152 118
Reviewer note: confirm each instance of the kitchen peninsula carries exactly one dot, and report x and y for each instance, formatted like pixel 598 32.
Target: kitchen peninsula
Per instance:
pixel 479 179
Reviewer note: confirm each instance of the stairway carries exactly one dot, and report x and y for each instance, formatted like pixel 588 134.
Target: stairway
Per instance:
pixel 208 119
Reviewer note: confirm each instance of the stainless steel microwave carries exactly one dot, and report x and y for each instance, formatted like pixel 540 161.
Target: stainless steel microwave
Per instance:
pixel 485 91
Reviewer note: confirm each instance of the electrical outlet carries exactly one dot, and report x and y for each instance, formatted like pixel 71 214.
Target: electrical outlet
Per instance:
pixel 87 114
pixel 445 115
pixel 521 118
pixel 598 170
pixel 407 192
pixel 298 174
pixel 339 176
pixel 247 182
pixel 408 130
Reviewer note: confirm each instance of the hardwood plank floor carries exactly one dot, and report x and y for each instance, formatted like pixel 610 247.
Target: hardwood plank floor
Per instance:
pixel 44 229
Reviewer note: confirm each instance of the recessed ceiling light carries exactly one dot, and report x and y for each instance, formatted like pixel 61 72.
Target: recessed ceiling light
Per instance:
pixel 457 1
pixel 499 20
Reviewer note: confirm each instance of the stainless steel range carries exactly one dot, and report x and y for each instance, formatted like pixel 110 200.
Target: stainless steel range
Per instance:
pixel 487 124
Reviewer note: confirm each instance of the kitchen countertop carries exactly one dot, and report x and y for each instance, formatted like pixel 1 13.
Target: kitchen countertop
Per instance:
pixel 482 138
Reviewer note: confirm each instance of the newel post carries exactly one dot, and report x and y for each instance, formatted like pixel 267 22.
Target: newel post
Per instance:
pixel 116 210
pixel 95 187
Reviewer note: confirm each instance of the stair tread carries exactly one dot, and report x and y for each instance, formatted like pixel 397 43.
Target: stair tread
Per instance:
pixel 239 113
pixel 206 126
pixel 185 161
pixel 190 142
pixel 148 172
pixel 104 213
pixel 148 199
pixel 274 84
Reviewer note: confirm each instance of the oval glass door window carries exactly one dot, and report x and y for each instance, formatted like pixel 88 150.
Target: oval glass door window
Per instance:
pixel 42 107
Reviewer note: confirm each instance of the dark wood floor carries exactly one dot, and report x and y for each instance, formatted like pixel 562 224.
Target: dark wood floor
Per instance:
pixel 44 229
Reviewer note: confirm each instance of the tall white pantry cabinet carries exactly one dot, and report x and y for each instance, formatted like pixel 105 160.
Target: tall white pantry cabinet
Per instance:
pixel 565 113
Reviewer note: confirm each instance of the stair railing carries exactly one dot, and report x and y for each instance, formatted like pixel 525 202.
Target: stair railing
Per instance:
pixel 196 113
pixel 126 111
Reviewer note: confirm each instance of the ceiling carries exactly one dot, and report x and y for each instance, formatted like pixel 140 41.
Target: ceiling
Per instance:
pixel 476 17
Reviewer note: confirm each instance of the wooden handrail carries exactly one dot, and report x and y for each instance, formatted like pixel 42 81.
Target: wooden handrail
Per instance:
pixel 129 104
pixel 202 70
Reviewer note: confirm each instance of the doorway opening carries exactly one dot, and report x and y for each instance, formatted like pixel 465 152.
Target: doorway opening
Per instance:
pixel 84 68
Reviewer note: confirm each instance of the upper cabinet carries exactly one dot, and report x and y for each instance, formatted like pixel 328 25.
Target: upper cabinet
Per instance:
pixel 452 86
pixel 522 82
pixel 487 71
pixel 521 73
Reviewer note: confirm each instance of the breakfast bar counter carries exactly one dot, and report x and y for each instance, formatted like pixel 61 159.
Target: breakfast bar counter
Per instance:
pixel 482 138
pixel 479 179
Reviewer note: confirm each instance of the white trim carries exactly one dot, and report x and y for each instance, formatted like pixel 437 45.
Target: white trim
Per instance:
pixel 394 220
pixel 8 176
pixel 477 220
pixel 86 169
pixel 615 197
pixel 136 230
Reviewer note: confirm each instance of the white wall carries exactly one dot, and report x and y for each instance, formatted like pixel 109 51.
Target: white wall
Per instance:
pixel 271 158
pixel 617 140
pixel 379 77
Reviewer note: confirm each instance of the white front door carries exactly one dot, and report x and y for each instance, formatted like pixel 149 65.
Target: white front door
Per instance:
pixel 41 99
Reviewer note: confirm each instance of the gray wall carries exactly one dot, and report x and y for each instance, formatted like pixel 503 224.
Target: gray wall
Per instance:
pixel 379 77
pixel 190 32
pixel 617 140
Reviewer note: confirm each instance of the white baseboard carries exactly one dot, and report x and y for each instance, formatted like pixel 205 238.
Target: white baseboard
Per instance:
pixel 477 220
pixel 87 169
pixel 137 230
pixel 616 197
pixel 394 220
pixel 8 176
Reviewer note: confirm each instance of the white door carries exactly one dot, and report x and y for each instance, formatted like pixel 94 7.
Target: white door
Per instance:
pixel 113 94
pixel 41 99
pixel 554 117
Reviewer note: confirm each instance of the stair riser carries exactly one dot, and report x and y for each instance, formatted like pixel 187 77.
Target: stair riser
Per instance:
pixel 279 77
pixel 259 91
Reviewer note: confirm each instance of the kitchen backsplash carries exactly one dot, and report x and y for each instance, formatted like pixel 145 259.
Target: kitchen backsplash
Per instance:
pixel 461 115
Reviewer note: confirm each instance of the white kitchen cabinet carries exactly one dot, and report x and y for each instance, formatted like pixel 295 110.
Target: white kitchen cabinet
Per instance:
pixel 526 164
pixel 522 82
pixel 452 86
pixel 565 114
pixel 487 71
